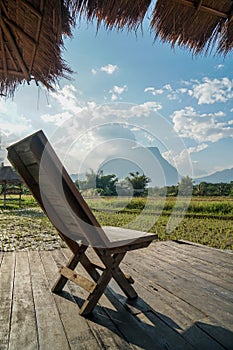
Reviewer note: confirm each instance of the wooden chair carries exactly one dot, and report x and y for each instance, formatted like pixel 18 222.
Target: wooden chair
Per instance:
pixel 37 163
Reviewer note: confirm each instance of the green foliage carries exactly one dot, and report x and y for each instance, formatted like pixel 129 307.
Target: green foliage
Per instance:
pixel 139 183
pixel 209 189
pixel 104 185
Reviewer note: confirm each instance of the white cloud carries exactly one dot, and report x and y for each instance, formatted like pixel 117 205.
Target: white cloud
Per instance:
pixel 201 127
pixel 94 71
pixel 67 98
pixel 198 148
pixel 206 91
pixel 144 109
pixel 57 119
pixel 153 91
pixel 11 122
pixel 109 68
pixel 211 91
pixel 116 91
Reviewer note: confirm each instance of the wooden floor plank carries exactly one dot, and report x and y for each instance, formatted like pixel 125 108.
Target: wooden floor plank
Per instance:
pixel 102 326
pixel 79 334
pixel 51 333
pixel 212 283
pixel 7 272
pixel 140 331
pixel 184 303
pixel 187 272
pixel 223 273
pixel 215 257
pixel 23 331
pixel 182 287
pixel 172 310
pixel 1 258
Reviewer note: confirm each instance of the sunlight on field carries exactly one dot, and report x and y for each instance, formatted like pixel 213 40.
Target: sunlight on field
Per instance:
pixel 207 221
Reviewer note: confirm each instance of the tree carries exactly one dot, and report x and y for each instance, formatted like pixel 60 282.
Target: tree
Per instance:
pixel 105 185
pixel 139 183
pixel 185 186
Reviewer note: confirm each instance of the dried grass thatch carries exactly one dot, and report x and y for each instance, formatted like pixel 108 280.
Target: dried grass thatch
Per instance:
pixel 30 42
pixel 9 175
pixel 197 25
pixel 31 31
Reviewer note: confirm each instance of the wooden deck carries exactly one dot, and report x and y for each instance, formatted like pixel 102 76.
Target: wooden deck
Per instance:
pixel 185 302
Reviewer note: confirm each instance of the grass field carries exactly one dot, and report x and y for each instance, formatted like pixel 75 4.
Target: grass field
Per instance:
pixel 204 220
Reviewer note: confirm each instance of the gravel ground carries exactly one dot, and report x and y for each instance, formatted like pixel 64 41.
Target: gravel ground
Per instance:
pixel 27 229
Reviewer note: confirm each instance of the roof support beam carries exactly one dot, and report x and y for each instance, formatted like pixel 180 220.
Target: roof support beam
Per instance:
pixel 199 4
pixel 13 72
pixel 15 49
pixel 3 54
pixel 203 8
pixel 11 57
pixel 20 31
pixel 37 37
pixel 31 8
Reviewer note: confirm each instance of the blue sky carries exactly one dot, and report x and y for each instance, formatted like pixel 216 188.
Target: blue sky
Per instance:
pixel 126 92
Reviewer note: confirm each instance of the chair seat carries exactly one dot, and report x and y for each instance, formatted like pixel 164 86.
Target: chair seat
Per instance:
pixel 119 236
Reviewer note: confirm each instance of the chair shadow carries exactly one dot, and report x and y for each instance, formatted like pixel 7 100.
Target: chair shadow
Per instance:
pixel 139 324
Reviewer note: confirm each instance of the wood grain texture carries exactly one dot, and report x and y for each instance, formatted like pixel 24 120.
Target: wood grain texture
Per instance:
pixel 184 302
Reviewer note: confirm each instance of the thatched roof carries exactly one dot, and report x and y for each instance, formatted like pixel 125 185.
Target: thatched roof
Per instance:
pixel 199 25
pixel 31 38
pixel 7 174
pixel 32 31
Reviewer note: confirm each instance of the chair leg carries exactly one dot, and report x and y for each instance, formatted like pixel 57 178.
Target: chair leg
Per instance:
pixel 94 297
pixel 120 278
pixel 124 283
pixel 101 284
pixel 72 263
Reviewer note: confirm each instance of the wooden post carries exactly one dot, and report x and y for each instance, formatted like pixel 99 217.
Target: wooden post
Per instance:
pixel 20 194
pixel 4 194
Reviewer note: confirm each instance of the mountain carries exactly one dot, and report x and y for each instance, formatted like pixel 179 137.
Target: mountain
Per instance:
pixel 219 176
pixel 144 160
pixel 147 160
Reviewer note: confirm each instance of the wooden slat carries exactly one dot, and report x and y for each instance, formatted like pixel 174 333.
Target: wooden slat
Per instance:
pixel 23 331
pixel 191 321
pixel 7 271
pixel 214 283
pixel 181 285
pixel 5 69
pixel 211 255
pixel 217 275
pixel 79 333
pixel 51 333
pixel 203 8
pixel 15 48
pixel 78 279
pixel 172 312
pixel 12 60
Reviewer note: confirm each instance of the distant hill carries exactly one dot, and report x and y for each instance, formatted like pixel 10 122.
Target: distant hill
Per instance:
pixel 220 176
pixel 144 160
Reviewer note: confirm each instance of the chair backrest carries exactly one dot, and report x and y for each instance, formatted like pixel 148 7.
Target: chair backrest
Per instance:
pixel 37 163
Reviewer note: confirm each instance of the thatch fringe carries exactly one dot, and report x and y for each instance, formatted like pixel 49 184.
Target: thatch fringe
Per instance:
pixel 114 14
pixel 197 30
pixel 197 25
